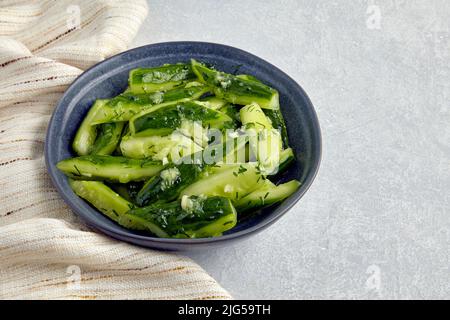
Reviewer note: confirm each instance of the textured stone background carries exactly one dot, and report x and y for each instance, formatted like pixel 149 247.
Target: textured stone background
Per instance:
pixel 376 222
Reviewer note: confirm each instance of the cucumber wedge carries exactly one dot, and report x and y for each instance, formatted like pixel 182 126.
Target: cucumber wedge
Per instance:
pixel 87 133
pixel 145 80
pixel 128 191
pixel 141 222
pixel 277 121
pixel 268 147
pixel 274 114
pixel 128 104
pixel 230 181
pixel 195 131
pixel 109 168
pixel 237 90
pixel 171 147
pixel 215 103
pixel 252 116
pixel 267 195
pixel 233 112
pixel 170 117
pixel 168 184
pixel 248 77
pixel 286 158
pixel 105 200
pixel 190 217
pixel 108 138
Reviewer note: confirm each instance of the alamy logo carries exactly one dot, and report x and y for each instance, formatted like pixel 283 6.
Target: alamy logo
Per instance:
pixel 373 282
pixel 232 147
pixel 373 17
pixel 74 17
pixel 74 279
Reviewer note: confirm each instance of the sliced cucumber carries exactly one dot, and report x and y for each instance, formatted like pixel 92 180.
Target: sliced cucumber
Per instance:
pixel 108 138
pixel 171 117
pixel 145 80
pixel 112 205
pixel 286 158
pixel 230 181
pixel 191 91
pixel 109 168
pixel 275 115
pixel 233 112
pixel 277 120
pixel 168 184
pixel 248 77
pixel 153 132
pixel 214 226
pixel 126 105
pixel 103 198
pixel 190 217
pixel 267 148
pixel 252 116
pixel 171 147
pixel 237 90
pixel 215 103
pixel 87 133
pixel 267 195
pixel 141 223
pixel 195 131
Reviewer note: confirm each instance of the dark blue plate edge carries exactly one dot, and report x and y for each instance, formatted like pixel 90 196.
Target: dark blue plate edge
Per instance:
pixel 170 243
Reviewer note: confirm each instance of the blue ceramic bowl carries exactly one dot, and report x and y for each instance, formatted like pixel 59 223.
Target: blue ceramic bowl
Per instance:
pixel 109 78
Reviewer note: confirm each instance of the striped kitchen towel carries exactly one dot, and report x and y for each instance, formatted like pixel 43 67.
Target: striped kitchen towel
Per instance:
pixel 45 251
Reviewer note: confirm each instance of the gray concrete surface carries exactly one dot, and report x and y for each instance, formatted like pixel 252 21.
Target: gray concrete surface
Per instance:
pixel 375 223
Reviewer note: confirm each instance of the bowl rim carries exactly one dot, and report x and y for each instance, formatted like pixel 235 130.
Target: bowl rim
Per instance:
pixel 122 233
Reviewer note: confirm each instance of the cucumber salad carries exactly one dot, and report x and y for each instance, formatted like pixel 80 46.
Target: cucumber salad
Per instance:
pixel 185 151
